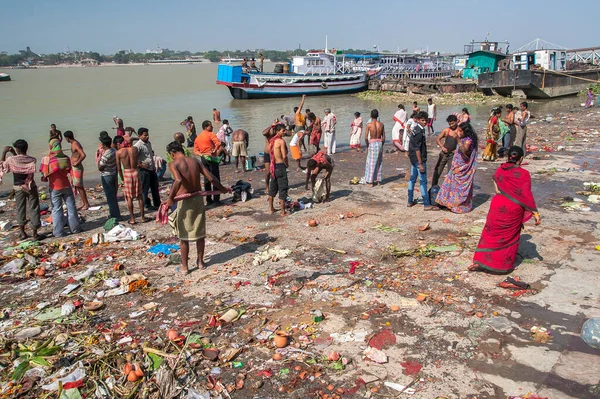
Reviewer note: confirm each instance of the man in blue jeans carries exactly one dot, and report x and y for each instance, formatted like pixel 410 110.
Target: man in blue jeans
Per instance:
pixel 108 175
pixel 55 168
pixel 417 153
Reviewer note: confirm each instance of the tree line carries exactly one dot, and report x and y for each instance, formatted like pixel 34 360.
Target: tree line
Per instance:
pixel 126 57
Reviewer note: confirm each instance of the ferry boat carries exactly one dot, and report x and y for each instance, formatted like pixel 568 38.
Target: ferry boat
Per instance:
pixel 400 65
pixel 316 73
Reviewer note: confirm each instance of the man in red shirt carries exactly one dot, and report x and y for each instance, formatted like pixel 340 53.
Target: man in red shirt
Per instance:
pixel 206 147
pixel 55 169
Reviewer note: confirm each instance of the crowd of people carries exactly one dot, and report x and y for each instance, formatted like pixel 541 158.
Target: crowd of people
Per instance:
pixel 128 162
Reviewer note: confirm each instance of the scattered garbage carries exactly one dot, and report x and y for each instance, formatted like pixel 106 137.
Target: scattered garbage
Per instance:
pixel 500 324
pixel 163 249
pixel 270 253
pixel 540 334
pixel 411 367
pixel 428 251
pixel 400 388
pixel 29 332
pixel 376 355
pixel 14 266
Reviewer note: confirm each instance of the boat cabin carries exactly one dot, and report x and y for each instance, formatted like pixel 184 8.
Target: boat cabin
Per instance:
pixel 314 63
pixel 483 57
pixel 480 62
pixel 554 60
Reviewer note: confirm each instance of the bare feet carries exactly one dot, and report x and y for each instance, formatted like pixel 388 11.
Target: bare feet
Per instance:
pixel 132 221
pixel 83 207
pixel 474 268
pixel 201 263
pixel 273 211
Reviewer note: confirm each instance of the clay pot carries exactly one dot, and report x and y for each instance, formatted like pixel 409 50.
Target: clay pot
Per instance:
pixel 91 306
pixel 172 334
pixel 313 223
pixel 118 266
pixel 210 354
pixel 40 271
pixel 281 339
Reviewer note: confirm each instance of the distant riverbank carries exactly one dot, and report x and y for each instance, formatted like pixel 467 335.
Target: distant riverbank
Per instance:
pixel 109 64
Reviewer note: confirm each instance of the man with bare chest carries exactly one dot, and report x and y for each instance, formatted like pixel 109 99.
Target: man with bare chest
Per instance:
pixel 127 166
pixel 240 148
pixel 374 139
pixel 278 169
pixel 77 157
pixel 189 220
pixel 55 133
pixel 216 116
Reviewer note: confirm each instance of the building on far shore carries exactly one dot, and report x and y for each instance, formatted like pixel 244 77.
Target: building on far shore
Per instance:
pixel 89 62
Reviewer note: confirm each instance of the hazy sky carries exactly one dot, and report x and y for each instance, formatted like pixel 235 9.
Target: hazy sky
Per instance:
pixel 49 26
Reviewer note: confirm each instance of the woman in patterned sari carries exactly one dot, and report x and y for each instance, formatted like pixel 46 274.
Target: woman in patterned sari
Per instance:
pixel 511 207
pixel 456 193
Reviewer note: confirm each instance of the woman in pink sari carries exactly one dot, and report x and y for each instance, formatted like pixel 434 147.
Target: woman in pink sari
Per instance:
pixel 357 127
pixel 456 193
pixel 511 207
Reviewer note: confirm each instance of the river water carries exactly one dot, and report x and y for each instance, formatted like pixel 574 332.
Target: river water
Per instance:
pixel 158 97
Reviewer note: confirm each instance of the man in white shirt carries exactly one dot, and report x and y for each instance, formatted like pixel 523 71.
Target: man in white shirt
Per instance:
pixel 328 124
pixel 432 112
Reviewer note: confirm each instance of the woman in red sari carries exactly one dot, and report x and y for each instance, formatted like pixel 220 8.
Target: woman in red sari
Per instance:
pixel 512 206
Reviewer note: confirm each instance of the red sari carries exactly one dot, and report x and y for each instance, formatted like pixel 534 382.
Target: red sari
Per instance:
pixel 510 209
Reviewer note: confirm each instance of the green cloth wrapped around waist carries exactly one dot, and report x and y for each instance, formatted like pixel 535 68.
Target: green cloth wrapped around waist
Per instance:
pixel 212 159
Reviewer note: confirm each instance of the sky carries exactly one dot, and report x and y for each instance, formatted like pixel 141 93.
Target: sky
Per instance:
pixel 105 26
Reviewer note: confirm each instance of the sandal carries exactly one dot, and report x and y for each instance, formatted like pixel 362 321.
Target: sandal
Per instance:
pixel 513 284
pixel 431 208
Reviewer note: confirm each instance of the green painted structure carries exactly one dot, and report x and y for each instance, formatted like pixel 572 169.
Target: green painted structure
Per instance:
pixel 480 62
